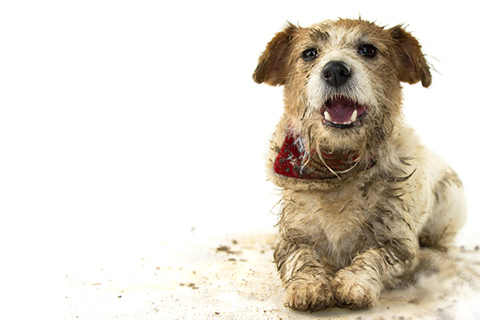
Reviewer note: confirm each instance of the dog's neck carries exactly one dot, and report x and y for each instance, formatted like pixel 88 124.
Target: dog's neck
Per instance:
pixel 294 161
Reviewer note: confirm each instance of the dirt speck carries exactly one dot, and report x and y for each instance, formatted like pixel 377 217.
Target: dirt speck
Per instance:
pixel 192 286
pixel 227 250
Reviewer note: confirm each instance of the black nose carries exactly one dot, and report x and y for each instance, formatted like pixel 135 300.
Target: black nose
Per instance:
pixel 336 73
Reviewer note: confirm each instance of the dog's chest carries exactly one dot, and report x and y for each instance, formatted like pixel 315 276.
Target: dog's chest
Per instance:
pixel 337 224
pixel 344 232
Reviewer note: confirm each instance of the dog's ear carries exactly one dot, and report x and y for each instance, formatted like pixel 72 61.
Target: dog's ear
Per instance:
pixel 411 62
pixel 274 64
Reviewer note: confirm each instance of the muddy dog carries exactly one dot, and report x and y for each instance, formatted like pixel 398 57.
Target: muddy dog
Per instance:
pixel 361 195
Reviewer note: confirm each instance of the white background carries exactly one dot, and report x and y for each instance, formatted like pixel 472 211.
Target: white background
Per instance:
pixel 125 123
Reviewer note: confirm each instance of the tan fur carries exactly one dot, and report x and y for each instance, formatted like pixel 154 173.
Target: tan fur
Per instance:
pixel 345 237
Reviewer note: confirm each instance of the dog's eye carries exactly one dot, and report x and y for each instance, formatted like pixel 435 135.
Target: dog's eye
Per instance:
pixel 309 54
pixel 367 50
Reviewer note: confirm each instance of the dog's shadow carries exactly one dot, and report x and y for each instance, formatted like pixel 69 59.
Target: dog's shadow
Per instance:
pixel 445 282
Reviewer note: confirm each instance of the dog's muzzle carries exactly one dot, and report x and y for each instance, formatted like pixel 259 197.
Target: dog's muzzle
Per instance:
pixel 336 73
pixel 339 111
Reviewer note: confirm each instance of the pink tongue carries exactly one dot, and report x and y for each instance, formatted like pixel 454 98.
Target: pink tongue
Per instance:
pixel 341 110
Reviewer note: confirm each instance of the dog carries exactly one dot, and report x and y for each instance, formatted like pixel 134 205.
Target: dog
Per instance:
pixel 360 194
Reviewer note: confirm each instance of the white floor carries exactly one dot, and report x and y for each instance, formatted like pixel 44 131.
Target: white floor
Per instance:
pixel 234 278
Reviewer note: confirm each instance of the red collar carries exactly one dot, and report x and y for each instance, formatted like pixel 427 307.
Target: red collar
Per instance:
pixel 293 161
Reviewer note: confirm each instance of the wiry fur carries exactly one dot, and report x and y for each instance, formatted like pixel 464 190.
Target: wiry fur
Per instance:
pixel 344 238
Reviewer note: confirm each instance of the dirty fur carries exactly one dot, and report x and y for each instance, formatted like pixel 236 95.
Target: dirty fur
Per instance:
pixel 347 236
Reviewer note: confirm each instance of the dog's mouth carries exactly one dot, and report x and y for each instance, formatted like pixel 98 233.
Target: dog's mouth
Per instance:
pixel 343 113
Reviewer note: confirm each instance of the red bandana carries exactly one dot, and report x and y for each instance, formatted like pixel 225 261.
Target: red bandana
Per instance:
pixel 291 161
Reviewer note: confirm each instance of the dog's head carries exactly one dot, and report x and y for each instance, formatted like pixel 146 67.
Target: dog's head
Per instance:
pixel 342 81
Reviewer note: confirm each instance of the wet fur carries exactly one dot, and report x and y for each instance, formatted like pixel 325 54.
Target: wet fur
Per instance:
pixel 344 239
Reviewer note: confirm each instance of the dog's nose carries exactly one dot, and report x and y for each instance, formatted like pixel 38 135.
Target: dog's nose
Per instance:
pixel 336 73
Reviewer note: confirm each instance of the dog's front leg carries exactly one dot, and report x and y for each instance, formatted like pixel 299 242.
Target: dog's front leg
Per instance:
pixel 359 285
pixel 308 286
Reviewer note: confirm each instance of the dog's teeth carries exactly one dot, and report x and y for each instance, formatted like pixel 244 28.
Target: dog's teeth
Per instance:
pixel 327 116
pixel 353 118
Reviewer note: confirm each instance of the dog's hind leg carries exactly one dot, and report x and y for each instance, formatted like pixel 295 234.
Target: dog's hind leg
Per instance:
pixel 449 212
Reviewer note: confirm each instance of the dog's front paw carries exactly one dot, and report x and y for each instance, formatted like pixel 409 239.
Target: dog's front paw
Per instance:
pixel 309 295
pixel 355 291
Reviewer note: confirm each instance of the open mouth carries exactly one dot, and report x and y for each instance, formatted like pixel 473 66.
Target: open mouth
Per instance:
pixel 343 113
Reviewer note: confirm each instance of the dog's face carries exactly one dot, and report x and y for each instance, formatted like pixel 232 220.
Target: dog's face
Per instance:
pixel 342 80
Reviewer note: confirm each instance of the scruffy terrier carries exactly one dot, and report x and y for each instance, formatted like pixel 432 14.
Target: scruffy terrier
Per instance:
pixel 361 195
